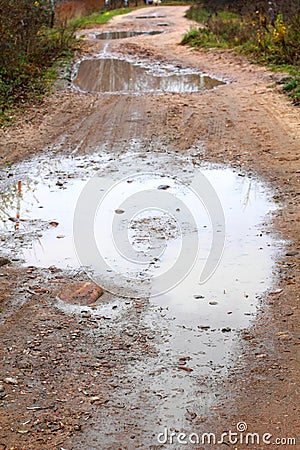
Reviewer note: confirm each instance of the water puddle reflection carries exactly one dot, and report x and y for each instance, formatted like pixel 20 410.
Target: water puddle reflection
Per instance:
pixel 38 201
pixel 108 35
pixel 113 75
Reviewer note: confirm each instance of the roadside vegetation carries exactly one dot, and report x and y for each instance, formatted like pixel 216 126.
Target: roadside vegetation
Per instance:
pixel 97 18
pixel 37 37
pixel 29 45
pixel 267 32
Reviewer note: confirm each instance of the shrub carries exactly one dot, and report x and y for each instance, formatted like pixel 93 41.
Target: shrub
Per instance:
pixel 28 47
pixel 268 31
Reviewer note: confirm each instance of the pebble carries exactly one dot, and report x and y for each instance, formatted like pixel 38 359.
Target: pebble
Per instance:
pixel 291 253
pixel 277 291
pixel 4 261
pixel 2 391
pixel 204 327
pixel 10 380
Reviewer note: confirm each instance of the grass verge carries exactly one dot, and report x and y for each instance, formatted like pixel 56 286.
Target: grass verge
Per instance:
pixel 276 44
pixel 98 18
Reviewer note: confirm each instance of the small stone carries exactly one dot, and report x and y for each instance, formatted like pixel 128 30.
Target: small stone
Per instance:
pixel 284 335
pixel 213 303
pixel 95 399
pixel 10 380
pixel 81 293
pixel 197 297
pixel 226 330
pixel 4 261
pixel 277 291
pixel 119 211
pixel 186 369
pixel 2 391
pixel 163 187
pixel 291 253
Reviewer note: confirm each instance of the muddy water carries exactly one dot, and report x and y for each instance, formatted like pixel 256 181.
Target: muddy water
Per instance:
pixel 196 323
pixel 116 75
pixel 153 16
pixel 108 35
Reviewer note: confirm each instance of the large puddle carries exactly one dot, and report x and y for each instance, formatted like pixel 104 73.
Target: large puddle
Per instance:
pixel 37 212
pixel 113 75
pixel 145 213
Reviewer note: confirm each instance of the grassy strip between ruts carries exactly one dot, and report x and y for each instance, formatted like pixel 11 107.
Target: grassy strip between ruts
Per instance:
pixel 275 43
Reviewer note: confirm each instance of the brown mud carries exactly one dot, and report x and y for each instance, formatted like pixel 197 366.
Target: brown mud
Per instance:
pixel 87 380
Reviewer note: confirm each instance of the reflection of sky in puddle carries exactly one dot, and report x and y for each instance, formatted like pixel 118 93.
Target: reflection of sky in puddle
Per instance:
pixel 245 270
pixel 107 35
pixel 201 328
pixel 116 75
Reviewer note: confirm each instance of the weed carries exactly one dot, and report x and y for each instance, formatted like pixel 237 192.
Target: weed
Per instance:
pixel 292 88
pixel 269 39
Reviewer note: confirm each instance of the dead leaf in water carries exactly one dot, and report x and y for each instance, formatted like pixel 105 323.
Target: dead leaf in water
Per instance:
pixel 186 369
pixel 53 224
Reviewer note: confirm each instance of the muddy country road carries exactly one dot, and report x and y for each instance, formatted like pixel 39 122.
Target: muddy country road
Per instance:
pixel 184 167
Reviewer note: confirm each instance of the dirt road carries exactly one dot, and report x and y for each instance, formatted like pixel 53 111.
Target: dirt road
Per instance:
pixel 79 379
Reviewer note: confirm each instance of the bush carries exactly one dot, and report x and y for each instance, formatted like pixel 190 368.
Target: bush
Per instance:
pixel 28 47
pixel 270 35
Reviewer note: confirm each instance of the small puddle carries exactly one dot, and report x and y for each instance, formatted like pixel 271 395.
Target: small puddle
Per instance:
pixel 111 75
pixel 150 17
pixel 107 35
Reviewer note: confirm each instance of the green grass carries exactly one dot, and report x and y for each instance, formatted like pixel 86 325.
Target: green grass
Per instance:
pixel 198 14
pixel 98 18
pixel 291 87
pixel 201 15
pixel 177 2
pixel 246 35
pixel 203 38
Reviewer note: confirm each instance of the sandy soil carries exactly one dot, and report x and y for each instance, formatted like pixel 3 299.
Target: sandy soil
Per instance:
pixel 52 365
